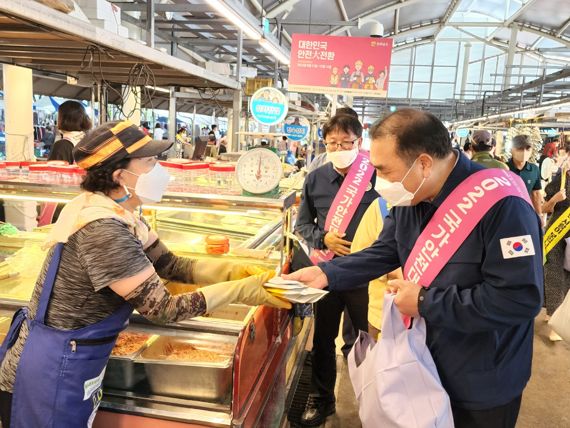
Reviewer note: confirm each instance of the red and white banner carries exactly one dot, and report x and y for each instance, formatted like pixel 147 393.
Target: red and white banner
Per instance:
pixel 357 66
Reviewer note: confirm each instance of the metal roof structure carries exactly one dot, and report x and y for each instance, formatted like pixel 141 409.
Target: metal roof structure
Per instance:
pixel 459 58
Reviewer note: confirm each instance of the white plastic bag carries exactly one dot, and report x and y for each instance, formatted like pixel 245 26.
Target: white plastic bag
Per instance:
pixel 560 319
pixel 395 380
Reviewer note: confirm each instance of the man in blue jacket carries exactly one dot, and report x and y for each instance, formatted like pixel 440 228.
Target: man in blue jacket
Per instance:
pixel 480 309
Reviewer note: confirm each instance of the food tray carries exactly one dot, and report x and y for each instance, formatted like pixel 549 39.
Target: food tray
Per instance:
pixel 122 372
pixel 202 380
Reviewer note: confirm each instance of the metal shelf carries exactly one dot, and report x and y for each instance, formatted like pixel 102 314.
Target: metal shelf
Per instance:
pixel 17 190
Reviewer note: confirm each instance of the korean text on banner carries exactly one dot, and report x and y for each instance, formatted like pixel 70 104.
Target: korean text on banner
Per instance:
pixel 340 65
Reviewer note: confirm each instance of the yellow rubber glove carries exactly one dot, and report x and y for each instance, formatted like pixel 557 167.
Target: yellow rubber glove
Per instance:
pixel 249 291
pixel 243 271
pixel 212 271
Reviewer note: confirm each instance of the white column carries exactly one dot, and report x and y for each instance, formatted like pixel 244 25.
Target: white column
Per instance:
pixel 466 54
pixel 132 104
pixel 510 58
pixel 18 107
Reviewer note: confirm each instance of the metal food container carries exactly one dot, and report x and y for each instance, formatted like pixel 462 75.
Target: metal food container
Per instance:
pixel 122 371
pixel 203 380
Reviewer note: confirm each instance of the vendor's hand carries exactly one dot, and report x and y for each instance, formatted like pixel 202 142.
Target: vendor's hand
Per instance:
pixel 252 292
pixel 240 271
pixel 334 242
pixel 559 196
pixel 312 277
pixel 407 294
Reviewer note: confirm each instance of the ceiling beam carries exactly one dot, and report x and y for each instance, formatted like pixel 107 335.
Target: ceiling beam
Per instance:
pixel 410 44
pixel 282 7
pixel 342 9
pixel 563 28
pixel 371 14
pixel 513 17
pixel 542 32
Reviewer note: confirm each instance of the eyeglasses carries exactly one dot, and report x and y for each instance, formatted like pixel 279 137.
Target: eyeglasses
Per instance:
pixel 345 145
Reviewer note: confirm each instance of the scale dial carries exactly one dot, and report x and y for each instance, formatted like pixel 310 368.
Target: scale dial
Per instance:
pixel 259 171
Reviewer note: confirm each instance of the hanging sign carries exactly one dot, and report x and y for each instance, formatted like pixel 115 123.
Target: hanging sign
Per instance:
pixel 462 132
pixel 296 128
pixel 269 106
pixel 340 65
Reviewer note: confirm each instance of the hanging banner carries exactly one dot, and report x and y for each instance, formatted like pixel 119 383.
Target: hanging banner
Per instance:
pixel 340 65
pixel 269 106
pixel 296 128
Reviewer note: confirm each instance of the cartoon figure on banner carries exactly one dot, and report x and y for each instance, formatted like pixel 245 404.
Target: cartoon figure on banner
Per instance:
pixel 345 77
pixel 334 79
pixel 266 95
pixel 357 76
pixel 381 80
pixel 370 79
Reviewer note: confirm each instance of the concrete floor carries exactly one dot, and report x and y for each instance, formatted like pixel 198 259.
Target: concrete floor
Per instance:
pixel 546 400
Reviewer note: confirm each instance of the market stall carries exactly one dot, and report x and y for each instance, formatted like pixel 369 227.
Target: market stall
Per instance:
pixel 230 368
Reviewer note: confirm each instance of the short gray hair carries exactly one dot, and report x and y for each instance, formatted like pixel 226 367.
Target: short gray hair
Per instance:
pixel 521 142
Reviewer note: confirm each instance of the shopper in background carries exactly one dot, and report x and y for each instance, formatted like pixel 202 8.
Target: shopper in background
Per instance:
pixel 158 132
pixel 110 263
pixel 468 149
pixel 557 266
pixel 483 146
pixel 48 139
pixel 223 146
pixel 72 123
pixel 480 308
pixel 528 172
pixel 547 163
pixel 214 131
pixel 145 127
pixel 343 137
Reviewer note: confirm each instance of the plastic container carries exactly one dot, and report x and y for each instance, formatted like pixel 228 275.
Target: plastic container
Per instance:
pixel 217 244
pixel 12 170
pixel 196 177
pixel 25 169
pixel 38 173
pixel 177 178
pixel 3 172
pixel 223 179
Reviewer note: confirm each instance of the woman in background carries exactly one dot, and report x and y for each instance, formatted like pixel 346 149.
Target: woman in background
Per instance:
pixel 72 123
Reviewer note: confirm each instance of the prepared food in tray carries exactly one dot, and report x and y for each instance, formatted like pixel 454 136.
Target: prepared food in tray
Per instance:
pixel 188 351
pixel 128 343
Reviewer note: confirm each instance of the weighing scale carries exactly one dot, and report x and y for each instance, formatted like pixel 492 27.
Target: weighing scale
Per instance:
pixel 259 172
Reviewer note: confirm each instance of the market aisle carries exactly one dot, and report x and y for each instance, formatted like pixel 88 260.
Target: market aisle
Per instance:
pixel 545 402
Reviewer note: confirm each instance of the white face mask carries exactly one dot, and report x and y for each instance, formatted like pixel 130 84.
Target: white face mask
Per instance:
pixel 521 155
pixel 342 158
pixel 151 185
pixel 395 193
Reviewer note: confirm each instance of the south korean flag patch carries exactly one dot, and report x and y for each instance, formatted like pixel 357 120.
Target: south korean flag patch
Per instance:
pixel 517 246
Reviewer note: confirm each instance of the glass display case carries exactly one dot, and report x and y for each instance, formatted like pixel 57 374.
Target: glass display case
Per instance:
pixel 229 368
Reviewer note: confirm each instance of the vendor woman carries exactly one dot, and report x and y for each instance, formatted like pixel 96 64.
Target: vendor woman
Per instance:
pixel 103 262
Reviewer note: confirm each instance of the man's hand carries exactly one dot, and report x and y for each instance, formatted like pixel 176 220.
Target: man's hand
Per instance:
pixel 406 299
pixel 312 277
pixel 335 243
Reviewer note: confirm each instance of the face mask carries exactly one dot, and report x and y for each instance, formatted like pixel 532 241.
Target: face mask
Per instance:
pixel 395 193
pixel 342 158
pixel 151 185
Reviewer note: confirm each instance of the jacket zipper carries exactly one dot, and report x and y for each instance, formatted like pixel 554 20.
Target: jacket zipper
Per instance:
pixel 90 342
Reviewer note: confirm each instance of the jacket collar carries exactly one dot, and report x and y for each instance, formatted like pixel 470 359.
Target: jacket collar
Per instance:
pixel 463 168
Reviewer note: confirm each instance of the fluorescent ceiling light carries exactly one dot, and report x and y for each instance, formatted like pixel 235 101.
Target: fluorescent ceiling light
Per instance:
pixel 158 89
pixel 235 19
pixel 275 51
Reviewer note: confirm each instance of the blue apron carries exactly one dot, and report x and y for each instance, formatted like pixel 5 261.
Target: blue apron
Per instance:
pixel 60 372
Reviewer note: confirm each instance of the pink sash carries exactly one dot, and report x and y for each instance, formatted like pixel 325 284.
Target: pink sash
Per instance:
pixel 346 202
pixel 455 219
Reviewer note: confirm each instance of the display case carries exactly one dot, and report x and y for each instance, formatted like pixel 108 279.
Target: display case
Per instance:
pixel 229 368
